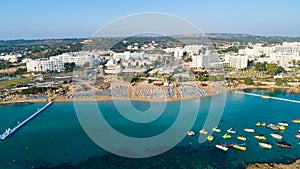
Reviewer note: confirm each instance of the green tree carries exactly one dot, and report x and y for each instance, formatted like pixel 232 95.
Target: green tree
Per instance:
pixel 201 78
pixel 274 69
pixel 5 64
pixel 20 71
pixel 259 66
pixel 69 67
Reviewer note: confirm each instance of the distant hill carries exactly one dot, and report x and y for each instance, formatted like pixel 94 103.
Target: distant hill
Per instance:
pixel 50 47
pixel 40 48
pixel 243 38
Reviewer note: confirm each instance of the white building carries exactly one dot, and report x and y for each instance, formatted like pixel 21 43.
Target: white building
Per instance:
pixel 204 60
pixel 288 47
pixel 237 62
pixel 281 59
pixel 43 65
pixel 218 65
pixel 190 50
pixel 193 49
pixel 11 58
pixel 250 52
pixel 284 59
pixel 178 53
pixel 79 58
pixel 267 50
pixel 127 55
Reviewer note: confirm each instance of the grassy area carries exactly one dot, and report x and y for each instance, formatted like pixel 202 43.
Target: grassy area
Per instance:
pixel 10 83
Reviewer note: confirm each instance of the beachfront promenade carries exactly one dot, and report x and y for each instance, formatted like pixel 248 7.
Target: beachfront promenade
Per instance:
pixel 268 97
pixel 8 132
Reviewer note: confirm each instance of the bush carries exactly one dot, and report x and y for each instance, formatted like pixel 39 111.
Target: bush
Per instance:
pixel 279 82
pixel 248 81
pixel 34 90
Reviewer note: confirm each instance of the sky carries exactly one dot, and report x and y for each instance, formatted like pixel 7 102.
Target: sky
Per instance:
pixel 44 19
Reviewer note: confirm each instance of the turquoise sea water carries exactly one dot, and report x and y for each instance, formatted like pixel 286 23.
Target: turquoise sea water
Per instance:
pixel 55 138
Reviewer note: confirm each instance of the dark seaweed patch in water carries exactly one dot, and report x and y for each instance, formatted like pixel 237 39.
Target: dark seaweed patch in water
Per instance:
pixel 179 157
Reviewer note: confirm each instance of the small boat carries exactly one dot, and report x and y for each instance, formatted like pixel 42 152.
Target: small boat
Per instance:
pixel 297 136
pixel 283 123
pixel 239 147
pixel 215 129
pixel 263 124
pixel 258 124
pixel 273 127
pixel 203 131
pixel 296 121
pixel 231 131
pixel 298 131
pixel 281 128
pixel 276 136
pixel 241 137
pixel 284 144
pixel 210 138
pixel 190 133
pixel 226 136
pixel 222 147
pixel 260 137
pixel 249 130
pixel 265 145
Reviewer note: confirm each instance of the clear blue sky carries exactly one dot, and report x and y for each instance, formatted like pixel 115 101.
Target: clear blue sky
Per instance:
pixel 32 19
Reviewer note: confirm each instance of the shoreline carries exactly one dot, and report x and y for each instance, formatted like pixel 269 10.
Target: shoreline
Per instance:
pixel 106 99
pixel 290 164
pixel 156 99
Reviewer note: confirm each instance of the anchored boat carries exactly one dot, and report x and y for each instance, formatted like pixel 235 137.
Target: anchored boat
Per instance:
pixel 215 129
pixel 249 130
pixel 284 144
pixel 190 133
pixel 258 124
pixel 265 145
pixel 281 128
pixel 231 131
pixel 226 136
pixel 297 136
pixel 260 137
pixel 239 147
pixel 241 137
pixel 203 131
pixel 222 147
pixel 210 138
pixel 296 121
pixel 273 127
pixel 283 123
pixel 276 136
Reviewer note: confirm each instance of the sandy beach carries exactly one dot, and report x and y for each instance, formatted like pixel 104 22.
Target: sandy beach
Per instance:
pixel 153 99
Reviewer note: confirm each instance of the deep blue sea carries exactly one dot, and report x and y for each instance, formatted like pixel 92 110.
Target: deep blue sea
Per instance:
pixel 55 138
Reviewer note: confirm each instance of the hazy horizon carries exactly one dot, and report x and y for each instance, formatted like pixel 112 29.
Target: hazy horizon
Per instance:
pixel 35 19
pixel 209 33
